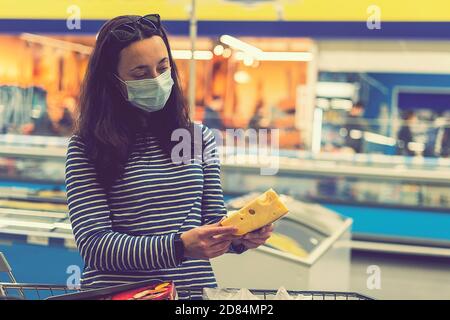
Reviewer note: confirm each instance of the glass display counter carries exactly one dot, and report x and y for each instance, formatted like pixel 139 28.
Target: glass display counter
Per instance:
pixel 389 197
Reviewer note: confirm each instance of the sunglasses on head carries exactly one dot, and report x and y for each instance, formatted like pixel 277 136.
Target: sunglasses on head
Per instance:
pixel 129 30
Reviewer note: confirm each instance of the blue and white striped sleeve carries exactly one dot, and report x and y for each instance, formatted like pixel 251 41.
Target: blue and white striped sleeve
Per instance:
pixel 100 246
pixel 213 206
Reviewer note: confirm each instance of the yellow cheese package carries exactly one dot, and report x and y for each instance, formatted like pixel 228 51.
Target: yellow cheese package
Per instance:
pixel 262 211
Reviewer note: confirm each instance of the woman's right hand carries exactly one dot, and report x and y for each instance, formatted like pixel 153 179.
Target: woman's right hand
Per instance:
pixel 208 241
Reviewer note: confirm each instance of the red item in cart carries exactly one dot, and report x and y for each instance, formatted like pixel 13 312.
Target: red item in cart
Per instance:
pixel 163 291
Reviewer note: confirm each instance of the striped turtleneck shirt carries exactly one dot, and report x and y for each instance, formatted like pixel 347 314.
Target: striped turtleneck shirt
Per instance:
pixel 127 234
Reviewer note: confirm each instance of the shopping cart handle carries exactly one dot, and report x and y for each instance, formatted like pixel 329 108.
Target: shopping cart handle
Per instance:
pixel 4 265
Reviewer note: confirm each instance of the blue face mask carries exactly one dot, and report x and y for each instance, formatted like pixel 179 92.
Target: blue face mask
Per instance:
pixel 150 94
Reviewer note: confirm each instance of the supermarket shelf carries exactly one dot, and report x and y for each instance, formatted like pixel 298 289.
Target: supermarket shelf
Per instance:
pixel 407 241
pixel 328 168
pixel 32 140
pixel 62 230
pixel 398 249
pixel 373 204
pixel 58 182
pixel 362 166
pixel 428 191
pixel 48 153
pixel 33 198
pixel 41 234
pixel 33 213
pixel 5 223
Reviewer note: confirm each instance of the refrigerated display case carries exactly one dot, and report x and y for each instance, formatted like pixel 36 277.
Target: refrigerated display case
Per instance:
pixel 401 201
pixel 422 183
pixel 33 205
pixel 309 250
pixel 390 198
pixel 32 159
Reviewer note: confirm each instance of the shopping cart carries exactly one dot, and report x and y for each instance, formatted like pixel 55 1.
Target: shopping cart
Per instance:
pixel 305 295
pixel 14 290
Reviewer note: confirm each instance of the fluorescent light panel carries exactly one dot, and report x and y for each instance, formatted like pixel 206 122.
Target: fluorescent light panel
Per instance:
pixel 187 54
pixel 56 43
pixel 237 44
pixel 250 50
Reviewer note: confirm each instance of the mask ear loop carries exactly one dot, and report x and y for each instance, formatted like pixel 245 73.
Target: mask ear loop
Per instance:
pixel 119 84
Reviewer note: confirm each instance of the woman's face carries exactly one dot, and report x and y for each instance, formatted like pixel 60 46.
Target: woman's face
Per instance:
pixel 143 59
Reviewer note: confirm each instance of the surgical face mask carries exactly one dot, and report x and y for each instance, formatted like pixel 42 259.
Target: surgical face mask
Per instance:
pixel 150 94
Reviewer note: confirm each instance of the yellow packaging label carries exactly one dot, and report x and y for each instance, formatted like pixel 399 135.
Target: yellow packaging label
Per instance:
pixel 262 211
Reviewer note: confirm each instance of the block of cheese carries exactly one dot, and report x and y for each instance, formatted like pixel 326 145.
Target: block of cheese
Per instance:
pixel 262 211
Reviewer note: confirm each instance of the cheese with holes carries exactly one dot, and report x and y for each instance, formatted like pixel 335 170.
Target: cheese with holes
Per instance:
pixel 262 211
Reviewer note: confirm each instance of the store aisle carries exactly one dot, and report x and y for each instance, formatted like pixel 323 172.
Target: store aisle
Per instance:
pixel 402 277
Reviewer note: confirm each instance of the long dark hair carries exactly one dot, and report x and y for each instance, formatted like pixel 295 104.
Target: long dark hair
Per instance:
pixel 107 123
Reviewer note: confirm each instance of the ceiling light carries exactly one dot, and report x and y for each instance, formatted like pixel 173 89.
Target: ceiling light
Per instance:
pixel 237 44
pixel 218 50
pixel 187 54
pixel 56 43
pixel 248 61
pixel 241 77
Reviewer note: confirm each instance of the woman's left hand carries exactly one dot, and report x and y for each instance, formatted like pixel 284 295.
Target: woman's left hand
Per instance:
pixel 256 238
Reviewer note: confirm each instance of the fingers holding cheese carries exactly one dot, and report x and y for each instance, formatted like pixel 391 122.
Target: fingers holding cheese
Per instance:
pixel 216 254
pixel 256 238
pixel 253 243
pixel 207 242
pixel 213 230
pixel 250 244
pixel 254 222
pixel 263 233
pixel 222 238
pixel 223 245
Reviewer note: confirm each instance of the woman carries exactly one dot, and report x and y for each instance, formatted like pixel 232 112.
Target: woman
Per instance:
pixel 135 213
